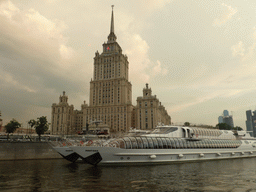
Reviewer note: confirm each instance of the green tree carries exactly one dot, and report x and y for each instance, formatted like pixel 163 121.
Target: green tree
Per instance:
pixel 224 126
pixel 11 127
pixel 41 126
pixel 186 124
pixel 32 123
pixel 238 128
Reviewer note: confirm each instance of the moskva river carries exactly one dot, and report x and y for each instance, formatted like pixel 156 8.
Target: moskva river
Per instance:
pixel 235 175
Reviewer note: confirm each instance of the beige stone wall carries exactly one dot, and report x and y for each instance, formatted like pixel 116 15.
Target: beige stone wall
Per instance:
pixel 149 111
pixel 62 117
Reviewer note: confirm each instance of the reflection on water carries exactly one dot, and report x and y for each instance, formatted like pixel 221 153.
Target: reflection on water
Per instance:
pixel 59 175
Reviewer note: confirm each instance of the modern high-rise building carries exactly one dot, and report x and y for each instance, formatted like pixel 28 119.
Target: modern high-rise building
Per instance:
pixel 1 121
pixel 225 113
pixel 110 97
pixel 226 118
pixel 251 122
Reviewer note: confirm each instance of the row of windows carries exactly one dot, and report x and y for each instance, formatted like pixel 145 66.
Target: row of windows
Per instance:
pixel 106 110
pixel 146 104
pixel 206 132
pixel 60 110
pixel 107 71
pixel 171 143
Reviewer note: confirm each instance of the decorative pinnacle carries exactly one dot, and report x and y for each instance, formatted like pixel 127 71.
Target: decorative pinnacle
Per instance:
pixel 112 21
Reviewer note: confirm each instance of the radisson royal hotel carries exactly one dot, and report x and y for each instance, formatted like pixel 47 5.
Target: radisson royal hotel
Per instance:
pixel 110 98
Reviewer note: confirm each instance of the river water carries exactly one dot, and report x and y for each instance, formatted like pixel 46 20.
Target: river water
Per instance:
pixel 235 175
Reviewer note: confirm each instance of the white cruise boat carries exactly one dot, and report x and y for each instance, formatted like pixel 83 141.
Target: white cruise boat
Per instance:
pixel 165 144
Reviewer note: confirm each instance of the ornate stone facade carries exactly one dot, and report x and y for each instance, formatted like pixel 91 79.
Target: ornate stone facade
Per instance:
pixel 62 116
pixel 149 111
pixel 110 96
pixel 110 89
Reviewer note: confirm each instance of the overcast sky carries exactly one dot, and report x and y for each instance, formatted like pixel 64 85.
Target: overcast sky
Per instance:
pixel 198 57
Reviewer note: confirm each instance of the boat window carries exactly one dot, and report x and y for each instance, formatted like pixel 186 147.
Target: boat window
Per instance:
pixel 193 144
pixel 236 143
pixel 203 145
pixel 164 130
pixel 121 143
pixel 145 143
pixel 200 144
pixel 239 143
pixel 114 143
pixel 127 143
pixel 169 144
pixel 207 132
pixel 140 143
pixel 173 143
pixel 214 144
pixel 206 144
pixel 218 144
pixel 223 144
pixel 196 144
pixel 150 143
pixel 160 143
pixel 155 143
pixel 184 143
pixel 232 144
pixel 177 143
pixel 211 143
pixel 134 143
pixel 165 146
pixel 228 144
pixel 180 143
pixel 203 132
pixel 188 144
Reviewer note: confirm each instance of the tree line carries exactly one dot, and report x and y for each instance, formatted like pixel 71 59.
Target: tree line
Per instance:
pixel 41 125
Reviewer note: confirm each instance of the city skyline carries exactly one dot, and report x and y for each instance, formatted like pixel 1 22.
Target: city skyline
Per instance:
pixel 198 57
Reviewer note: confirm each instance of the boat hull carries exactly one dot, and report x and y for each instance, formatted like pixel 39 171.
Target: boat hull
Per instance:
pixel 67 153
pixel 110 155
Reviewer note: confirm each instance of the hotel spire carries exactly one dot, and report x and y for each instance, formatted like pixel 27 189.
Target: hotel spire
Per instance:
pixel 112 36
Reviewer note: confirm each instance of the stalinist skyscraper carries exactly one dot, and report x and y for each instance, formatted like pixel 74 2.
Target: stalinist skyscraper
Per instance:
pixel 110 97
pixel 110 89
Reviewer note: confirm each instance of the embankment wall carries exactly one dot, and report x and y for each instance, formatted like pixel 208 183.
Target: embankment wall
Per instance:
pixel 27 150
